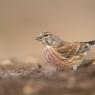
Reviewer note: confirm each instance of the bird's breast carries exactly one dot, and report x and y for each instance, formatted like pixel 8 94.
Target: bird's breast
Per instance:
pixel 51 57
pixel 54 59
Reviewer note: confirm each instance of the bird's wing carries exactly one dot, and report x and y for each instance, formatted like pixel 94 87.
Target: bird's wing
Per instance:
pixel 69 50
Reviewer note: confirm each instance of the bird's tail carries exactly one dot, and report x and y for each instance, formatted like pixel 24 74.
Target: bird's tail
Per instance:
pixel 91 42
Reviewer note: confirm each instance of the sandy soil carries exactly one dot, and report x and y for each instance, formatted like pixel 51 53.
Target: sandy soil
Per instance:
pixel 29 79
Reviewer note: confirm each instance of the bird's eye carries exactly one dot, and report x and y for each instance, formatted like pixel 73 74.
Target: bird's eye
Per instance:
pixel 46 35
pixel 86 46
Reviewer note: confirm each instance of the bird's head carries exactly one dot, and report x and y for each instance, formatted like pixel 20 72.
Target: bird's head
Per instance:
pixel 49 39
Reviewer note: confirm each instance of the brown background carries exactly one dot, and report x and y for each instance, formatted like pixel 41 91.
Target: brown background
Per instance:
pixel 22 20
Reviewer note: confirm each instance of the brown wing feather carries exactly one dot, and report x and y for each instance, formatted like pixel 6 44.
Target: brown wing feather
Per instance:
pixel 69 50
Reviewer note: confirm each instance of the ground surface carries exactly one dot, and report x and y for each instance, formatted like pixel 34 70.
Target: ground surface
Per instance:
pixel 26 79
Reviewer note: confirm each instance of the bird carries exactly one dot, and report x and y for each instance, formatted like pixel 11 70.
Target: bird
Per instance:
pixel 64 55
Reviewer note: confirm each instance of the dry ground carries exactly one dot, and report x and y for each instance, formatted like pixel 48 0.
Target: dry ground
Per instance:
pixel 29 79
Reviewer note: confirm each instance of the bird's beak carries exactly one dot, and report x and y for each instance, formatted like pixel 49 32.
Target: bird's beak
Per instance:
pixel 38 38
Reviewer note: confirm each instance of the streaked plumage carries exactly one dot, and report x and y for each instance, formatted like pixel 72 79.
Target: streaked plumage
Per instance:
pixel 61 54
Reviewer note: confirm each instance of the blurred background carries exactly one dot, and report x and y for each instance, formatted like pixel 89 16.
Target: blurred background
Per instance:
pixel 22 20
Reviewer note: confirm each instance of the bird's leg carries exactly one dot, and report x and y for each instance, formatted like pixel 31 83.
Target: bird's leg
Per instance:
pixel 75 67
pixel 85 63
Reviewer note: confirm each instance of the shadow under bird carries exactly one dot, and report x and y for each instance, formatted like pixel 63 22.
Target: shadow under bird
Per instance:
pixel 61 54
